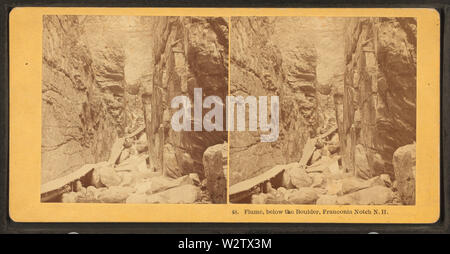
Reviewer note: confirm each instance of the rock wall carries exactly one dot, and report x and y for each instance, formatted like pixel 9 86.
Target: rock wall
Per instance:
pixel 189 52
pixel 405 173
pixel 76 114
pixel 91 87
pixel 260 67
pixel 215 164
pixel 379 97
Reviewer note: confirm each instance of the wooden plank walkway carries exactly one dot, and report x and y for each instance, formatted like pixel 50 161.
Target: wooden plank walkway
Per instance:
pixel 61 181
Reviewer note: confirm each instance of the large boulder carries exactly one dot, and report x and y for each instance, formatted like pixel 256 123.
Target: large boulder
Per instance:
pixel 115 194
pixel 405 173
pixel 215 166
pixel 352 184
pixel 184 194
pixel 376 195
pixel 327 200
pixel 108 176
pixel 304 195
pixel 296 176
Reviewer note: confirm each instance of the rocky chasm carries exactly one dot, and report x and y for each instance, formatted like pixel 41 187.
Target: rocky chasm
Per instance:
pixel 107 86
pixel 346 89
pixel 347 110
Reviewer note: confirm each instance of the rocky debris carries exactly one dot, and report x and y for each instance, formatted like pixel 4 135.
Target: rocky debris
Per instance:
pixel 185 194
pixel 215 166
pixel 356 76
pixel 376 195
pixel 115 194
pixel 108 176
pixel 324 182
pixel 296 176
pixel 131 181
pixel 404 162
pixel 302 195
pixel 327 200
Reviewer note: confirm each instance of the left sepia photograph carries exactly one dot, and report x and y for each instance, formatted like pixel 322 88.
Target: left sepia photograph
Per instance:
pixel 112 87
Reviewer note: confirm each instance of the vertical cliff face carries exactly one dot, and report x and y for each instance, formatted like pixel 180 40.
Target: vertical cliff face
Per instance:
pixel 379 97
pixel 76 114
pixel 262 65
pixel 189 52
pixel 93 68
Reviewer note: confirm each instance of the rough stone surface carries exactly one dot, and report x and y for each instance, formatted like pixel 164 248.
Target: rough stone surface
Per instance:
pixel 379 97
pixel 115 194
pixel 261 65
pixel 215 165
pixel 327 200
pixel 85 79
pixel 303 196
pixel 297 176
pixel 377 195
pixel 190 52
pixel 405 173
pixel 353 184
pixel 184 194
pixel 109 177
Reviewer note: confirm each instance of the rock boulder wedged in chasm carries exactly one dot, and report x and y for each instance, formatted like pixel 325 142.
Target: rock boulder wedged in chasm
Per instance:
pixel 405 173
pixel 215 166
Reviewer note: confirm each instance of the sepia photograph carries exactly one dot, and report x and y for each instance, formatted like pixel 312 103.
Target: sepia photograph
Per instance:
pixel 225 115
pixel 345 90
pixel 108 89
pixel 302 110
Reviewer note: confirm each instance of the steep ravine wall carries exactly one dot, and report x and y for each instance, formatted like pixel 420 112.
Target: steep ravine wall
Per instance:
pixel 93 71
pixel 260 68
pixel 189 52
pixel 379 97
pixel 77 114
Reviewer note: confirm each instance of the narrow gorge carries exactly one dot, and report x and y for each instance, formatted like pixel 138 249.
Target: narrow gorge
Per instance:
pixel 107 86
pixel 347 90
pixel 347 110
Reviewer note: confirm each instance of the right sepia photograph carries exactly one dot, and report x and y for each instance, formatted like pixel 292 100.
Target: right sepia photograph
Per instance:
pixel 336 112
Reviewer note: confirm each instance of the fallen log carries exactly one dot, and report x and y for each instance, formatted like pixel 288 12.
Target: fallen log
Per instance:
pixel 310 146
